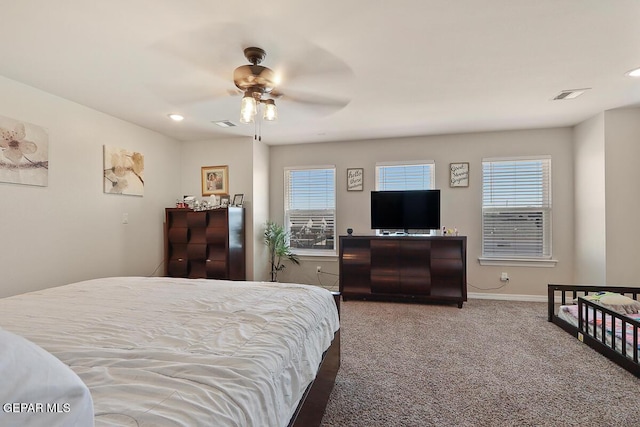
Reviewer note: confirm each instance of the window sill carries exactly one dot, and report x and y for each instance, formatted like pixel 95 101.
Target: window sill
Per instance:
pixel 315 254
pixel 519 262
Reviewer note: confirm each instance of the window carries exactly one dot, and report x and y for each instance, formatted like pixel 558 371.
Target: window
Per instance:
pixel 516 208
pixel 310 209
pixel 405 176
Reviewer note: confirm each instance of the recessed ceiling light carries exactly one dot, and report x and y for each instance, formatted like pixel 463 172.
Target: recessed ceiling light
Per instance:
pixel 176 117
pixel 225 124
pixel 634 73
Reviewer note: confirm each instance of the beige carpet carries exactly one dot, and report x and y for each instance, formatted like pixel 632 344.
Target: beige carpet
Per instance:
pixel 491 363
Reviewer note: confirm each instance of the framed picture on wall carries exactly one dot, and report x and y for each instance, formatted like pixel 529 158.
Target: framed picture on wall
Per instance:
pixel 459 174
pixel 215 180
pixel 237 199
pixel 355 179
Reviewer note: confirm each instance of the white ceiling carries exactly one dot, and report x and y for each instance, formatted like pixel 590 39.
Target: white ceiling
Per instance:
pixel 408 67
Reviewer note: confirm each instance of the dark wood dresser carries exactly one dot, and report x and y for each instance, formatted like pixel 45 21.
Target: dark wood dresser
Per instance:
pixel 205 244
pixel 418 268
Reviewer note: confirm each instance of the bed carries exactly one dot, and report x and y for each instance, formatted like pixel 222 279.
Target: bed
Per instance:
pixel 612 330
pixel 170 352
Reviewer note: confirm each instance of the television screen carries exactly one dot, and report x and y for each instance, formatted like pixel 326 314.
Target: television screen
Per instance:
pixel 411 209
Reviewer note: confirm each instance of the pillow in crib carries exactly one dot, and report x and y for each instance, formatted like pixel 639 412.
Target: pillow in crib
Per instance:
pixel 620 303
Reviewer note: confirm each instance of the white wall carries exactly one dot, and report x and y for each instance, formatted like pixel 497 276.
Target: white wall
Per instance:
pixel 461 207
pixel 70 230
pixel 590 265
pixel 606 172
pixel 260 209
pixel 622 148
pixel 247 161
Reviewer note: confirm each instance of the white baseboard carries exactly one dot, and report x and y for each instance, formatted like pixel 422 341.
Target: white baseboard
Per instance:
pixel 508 297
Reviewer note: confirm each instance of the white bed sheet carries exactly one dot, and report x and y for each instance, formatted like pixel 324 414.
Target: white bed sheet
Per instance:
pixel 181 352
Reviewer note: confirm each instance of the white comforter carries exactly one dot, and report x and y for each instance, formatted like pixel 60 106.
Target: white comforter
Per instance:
pixel 179 352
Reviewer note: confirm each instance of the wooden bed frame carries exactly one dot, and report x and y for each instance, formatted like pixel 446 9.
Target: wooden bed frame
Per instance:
pixel 314 401
pixel 565 294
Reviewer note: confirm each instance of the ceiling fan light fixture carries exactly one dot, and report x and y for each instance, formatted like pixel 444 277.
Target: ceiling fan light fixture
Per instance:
pixel 270 110
pixel 248 108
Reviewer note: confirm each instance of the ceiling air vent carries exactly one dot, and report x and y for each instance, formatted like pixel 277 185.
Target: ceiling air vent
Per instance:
pixel 225 124
pixel 570 94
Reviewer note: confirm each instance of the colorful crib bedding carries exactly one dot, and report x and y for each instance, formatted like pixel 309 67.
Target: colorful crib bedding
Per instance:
pixel 564 314
pixel 569 313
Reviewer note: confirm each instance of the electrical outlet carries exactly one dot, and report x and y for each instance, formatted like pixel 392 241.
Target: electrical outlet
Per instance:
pixel 125 218
pixel 504 277
pixel 318 269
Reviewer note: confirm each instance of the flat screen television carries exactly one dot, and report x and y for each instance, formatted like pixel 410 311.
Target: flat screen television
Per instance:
pixel 411 209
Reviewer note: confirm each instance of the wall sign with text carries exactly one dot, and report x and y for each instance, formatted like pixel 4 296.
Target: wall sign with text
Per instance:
pixel 459 174
pixel 355 179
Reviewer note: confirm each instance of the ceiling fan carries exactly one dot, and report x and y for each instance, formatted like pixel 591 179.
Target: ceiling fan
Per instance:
pixel 259 85
pixel 305 80
pixel 255 81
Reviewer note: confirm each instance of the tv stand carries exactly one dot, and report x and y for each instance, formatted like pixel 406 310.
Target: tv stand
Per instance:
pixel 415 268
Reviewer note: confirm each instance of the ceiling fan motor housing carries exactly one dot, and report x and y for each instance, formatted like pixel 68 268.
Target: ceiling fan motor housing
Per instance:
pixel 255 55
pixel 254 77
pixel 250 76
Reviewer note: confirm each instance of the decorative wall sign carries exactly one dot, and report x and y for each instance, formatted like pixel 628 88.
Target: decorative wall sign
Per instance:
pixel 24 153
pixel 123 171
pixel 355 179
pixel 215 180
pixel 459 174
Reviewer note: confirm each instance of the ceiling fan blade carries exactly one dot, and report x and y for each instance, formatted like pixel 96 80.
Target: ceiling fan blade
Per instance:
pixel 180 94
pixel 313 62
pixel 216 48
pixel 306 105
pixel 310 75
pixel 312 98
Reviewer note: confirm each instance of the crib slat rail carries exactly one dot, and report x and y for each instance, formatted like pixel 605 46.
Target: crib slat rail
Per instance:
pixel 591 311
pixel 592 322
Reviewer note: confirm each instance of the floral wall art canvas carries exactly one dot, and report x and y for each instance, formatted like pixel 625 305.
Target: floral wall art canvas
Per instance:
pixel 24 153
pixel 123 171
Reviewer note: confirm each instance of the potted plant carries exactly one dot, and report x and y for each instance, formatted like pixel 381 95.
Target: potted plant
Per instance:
pixel 277 240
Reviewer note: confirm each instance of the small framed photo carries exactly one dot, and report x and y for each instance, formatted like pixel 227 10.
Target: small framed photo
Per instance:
pixel 215 180
pixel 459 174
pixel 224 201
pixel 237 199
pixel 355 179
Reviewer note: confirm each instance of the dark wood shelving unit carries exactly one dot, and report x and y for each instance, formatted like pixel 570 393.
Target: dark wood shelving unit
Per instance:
pixel 417 268
pixel 205 244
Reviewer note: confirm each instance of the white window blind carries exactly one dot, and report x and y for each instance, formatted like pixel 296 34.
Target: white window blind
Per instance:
pixel 405 176
pixel 310 207
pixel 516 208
